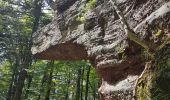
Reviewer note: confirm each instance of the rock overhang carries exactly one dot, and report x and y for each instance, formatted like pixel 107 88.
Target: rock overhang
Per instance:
pixel 52 35
pixel 102 40
pixel 64 51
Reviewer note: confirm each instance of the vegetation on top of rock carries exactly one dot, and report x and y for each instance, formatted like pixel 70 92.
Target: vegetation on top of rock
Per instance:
pixel 88 6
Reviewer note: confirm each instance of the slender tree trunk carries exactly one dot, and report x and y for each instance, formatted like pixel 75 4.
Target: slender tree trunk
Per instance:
pixel 42 83
pixel 11 87
pixel 47 96
pixel 92 88
pixel 87 82
pixel 66 94
pixel 20 77
pixel 82 79
pixel 78 84
pixel 29 85
pixel 68 84
pixel 20 84
pixel 15 84
pixel 37 13
pixel 26 58
pixel 25 61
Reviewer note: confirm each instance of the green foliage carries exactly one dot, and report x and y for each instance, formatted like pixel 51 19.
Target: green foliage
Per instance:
pixel 16 24
pixel 5 78
pixel 89 5
pixel 63 81
pixel 45 19
pixel 26 21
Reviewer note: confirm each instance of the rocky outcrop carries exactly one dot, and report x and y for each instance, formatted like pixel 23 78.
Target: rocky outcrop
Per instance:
pixel 101 39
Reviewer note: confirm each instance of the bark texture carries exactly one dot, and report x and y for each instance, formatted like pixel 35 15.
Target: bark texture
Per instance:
pixel 102 40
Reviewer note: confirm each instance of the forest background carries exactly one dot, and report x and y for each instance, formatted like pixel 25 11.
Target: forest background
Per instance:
pixel 23 77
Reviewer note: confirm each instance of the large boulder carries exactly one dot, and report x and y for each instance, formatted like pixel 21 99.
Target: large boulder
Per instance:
pixel 102 39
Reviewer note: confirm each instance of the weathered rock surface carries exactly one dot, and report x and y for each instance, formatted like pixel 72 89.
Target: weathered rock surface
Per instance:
pixel 102 40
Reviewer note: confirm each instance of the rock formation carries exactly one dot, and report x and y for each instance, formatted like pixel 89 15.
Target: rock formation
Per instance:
pixel 101 39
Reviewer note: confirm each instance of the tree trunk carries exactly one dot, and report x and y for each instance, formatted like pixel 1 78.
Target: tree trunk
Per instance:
pixel 29 85
pixel 87 82
pixel 11 87
pixel 42 83
pixel 82 79
pixel 78 89
pixel 20 84
pixel 67 87
pixel 47 95
pixel 37 13
pixel 23 64
pixel 26 58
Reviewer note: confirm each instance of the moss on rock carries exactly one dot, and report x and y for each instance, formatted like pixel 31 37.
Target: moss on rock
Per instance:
pixel 154 84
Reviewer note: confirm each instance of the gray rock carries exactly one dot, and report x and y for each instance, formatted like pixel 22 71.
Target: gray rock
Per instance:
pixel 101 38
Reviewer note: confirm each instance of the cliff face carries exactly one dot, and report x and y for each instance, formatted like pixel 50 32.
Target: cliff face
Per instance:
pixel 101 38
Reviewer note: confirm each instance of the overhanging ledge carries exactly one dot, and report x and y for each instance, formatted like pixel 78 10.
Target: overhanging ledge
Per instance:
pixel 64 51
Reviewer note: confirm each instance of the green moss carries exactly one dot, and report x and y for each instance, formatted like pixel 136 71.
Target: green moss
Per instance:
pixel 154 85
pixel 159 33
pixel 143 88
pixel 89 5
pixel 143 93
